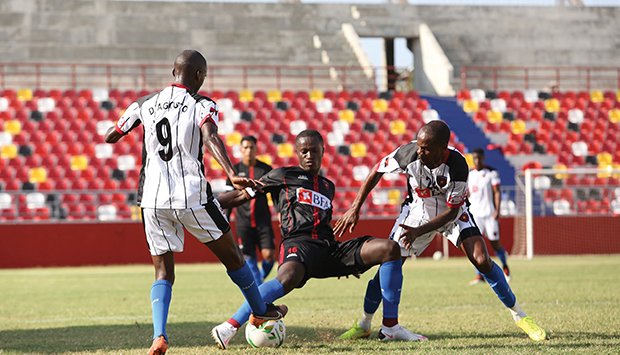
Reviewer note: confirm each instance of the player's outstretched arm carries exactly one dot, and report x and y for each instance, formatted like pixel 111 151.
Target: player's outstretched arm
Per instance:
pixel 112 136
pixel 349 220
pixel 233 198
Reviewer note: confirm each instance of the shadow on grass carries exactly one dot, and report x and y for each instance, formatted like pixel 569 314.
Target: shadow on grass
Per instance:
pixel 114 338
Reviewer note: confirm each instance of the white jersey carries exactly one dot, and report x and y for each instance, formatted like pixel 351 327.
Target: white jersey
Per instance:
pixel 430 192
pixel 172 174
pixel 481 184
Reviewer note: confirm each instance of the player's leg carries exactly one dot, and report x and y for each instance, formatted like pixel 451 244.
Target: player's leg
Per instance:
pixel 481 222
pixel 248 237
pixel 494 238
pixel 164 237
pixel 268 249
pixel 475 249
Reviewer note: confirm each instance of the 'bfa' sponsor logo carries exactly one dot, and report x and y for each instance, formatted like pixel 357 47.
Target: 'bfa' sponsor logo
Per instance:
pixel 313 198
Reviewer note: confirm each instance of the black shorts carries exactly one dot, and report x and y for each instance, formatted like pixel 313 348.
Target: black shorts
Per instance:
pixel 249 238
pixel 324 259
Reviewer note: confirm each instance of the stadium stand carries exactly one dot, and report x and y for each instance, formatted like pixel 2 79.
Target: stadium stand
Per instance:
pixel 53 150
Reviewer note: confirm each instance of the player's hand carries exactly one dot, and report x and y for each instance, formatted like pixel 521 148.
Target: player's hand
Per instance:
pixel 409 235
pixel 240 183
pixel 347 221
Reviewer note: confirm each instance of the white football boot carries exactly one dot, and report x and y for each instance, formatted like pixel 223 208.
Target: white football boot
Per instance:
pixel 399 332
pixel 223 334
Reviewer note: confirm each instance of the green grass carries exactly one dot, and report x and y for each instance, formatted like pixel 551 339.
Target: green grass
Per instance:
pixel 106 310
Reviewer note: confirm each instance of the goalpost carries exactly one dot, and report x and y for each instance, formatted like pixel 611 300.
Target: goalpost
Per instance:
pixel 554 207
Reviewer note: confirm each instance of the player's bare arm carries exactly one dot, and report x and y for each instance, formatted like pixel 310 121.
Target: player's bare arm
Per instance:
pixel 216 148
pixel 411 233
pixel 350 218
pixel 112 136
pixel 497 199
pixel 233 198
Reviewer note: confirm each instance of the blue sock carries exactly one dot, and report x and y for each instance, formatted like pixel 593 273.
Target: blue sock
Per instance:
pixel 253 265
pixel 391 280
pixel 270 291
pixel 161 293
pixel 267 266
pixel 372 298
pixel 497 281
pixel 501 254
pixel 246 282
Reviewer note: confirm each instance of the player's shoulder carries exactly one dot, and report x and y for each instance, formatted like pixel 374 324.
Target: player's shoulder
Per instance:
pixel 407 153
pixel 202 99
pixel 457 164
pixel 490 168
pixel 325 180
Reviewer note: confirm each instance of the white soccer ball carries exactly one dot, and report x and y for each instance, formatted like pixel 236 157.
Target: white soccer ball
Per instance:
pixel 437 255
pixel 270 334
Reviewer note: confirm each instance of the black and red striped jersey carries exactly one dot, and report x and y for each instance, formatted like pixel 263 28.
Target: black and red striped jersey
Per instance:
pixel 304 202
pixel 256 211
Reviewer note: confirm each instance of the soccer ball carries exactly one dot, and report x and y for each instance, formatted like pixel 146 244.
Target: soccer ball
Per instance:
pixel 270 334
pixel 437 255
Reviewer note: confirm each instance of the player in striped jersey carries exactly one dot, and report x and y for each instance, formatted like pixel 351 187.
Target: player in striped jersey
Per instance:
pixel 485 198
pixel 436 203
pixel 173 192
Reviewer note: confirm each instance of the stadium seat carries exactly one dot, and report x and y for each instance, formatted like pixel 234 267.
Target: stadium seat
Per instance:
pixel 494 117
pixel 470 106
pixel 552 105
pixel 358 150
pixel 246 95
pixel 37 175
pixel 126 162
pixel 316 95
pixel 477 95
pixel 285 150
pixel 297 126
pixel 14 127
pixel 24 94
pixel 346 115
pixel 8 151
pixel 398 127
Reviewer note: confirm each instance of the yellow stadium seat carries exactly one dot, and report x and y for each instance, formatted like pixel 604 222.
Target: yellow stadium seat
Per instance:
pixel 614 115
pixel 136 213
pixel 494 116
pixel 246 95
pixel 274 95
pixel 79 162
pixel 552 105
pixel 398 127
pixel 618 95
pixel 597 96
pixel 8 151
pixel 347 116
pixel 37 175
pixel 24 94
pixel 469 158
pixel 316 95
pixel 13 127
pixel 604 158
pixel 214 165
pixel 379 106
pixel 265 158
pixel 470 106
pixel 518 127
pixel 269 200
pixel 358 150
pixel 285 150
pixel 233 139
pixel 560 167
pixel 394 197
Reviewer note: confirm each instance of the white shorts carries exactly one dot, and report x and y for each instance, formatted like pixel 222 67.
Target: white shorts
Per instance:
pixel 463 226
pixel 164 227
pixel 489 227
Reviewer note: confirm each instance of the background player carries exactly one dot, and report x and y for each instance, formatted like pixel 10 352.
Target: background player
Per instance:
pixel 309 250
pixel 174 193
pixel 485 198
pixel 253 218
pixel 436 202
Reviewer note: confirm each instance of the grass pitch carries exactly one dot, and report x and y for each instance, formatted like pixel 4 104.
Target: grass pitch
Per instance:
pixel 106 310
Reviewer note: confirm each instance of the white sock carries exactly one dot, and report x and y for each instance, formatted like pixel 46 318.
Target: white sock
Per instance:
pixel 389 330
pixel 517 312
pixel 366 321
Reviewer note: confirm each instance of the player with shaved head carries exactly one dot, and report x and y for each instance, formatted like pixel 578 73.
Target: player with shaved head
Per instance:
pixel 174 192
pixel 436 202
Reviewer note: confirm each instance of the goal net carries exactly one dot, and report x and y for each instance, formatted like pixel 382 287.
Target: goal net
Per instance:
pixel 567 211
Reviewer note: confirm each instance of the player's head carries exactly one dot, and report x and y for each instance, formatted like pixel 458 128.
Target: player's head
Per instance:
pixel 478 156
pixel 248 149
pixel 190 69
pixel 309 148
pixel 433 139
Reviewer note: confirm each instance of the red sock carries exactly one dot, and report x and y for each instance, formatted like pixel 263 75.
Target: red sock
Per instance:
pixel 234 323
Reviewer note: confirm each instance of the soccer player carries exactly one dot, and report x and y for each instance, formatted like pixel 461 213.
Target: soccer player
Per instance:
pixel 308 249
pixel 174 193
pixel 436 202
pixel 485 198
pixel 253 217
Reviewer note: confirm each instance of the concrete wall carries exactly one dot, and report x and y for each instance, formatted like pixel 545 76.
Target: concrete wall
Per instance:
pixel 281 33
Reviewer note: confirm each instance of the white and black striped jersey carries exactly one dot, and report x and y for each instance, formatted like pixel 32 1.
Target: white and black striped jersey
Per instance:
pixel 430 192
pixel 481 184
pixel 172 174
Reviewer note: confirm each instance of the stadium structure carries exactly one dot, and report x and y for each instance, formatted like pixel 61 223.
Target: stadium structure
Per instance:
pixel 538 86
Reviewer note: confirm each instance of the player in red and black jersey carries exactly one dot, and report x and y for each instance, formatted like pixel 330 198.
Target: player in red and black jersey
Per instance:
pixel 253 218
pixel 309 249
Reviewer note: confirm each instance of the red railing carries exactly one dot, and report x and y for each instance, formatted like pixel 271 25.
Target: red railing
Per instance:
pixel 558 78
pixel 220 77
